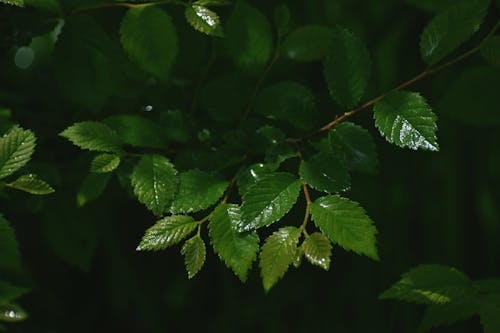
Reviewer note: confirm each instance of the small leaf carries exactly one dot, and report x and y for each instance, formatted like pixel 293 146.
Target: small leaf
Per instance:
pixel 10 292
pixel 92 187
pixel 167 232
pixel 325 172
pixel 155 182
pixel 278 252
pixel 344 222
pixel 16 148
pixel 12 313
pixel 406 120
pixel 269 200
pixel 104 163
pixel 10 258
pixel 32 184
pixel 491 50
pixel 138 131
pixel 317 249
pixel 93 136
pixel 308 43
pixel 194 253
pixel 204 20
pixel 237 250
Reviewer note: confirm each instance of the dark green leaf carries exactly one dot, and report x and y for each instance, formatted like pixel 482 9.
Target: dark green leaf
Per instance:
pixel 92 187
pixel 194 253
pixel 431 5
pixel 138 131
pixel 104 163
pixel 308 43
pixel 213 2
pixel 448 314
pixel 10 258
pixel 16 148
pixel 281 15
pixel 491 50
pixel 167 232
pixel 204 20
pixel 489 314
pixel 93 136
pixel 251 175
pixel 32 184
pixel 10 292
pixel 317 249
pixel 325 172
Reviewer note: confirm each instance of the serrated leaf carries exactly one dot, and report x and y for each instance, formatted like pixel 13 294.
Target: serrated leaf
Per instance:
pixel 347 67
pixel 155 182
pixel 12 313
pixel 138 131
pixel 448 314
pixel 268 200
pixel 278 252
pixel 345 223
pixel 406 120
pixel 10 292
pixel 104 163
pixel 148 36
pixel 317 249
pixel 198 190
pixel 10 258
pixel 237 250
pixel 93 136
pixel 92 187
pixel 326 172
pixel 19 3
pixel 16 148
pixel 430 284
pixel 204 20
pixel 491 50
pixel 194 252
pixel 308 43
pixel 449 29
pixel 167 232
pixel 251 175
pixel 489 314
pixel 32 184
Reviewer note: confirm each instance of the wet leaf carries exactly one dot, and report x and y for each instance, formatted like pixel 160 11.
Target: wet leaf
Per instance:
pixel 16 148
pixel 167 232
pixel 325 172
pixel 104 163
pixel 194 252
pixel 317 249
pixel 204 20
pixel 32 184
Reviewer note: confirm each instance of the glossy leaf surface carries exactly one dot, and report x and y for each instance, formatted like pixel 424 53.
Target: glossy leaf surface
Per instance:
pixel 104 163
pixel 204 20
pixel 194 252
pixel 317 249
pixel 93 136
pixel 325 172
pixel 32 184
pixel 167 232
pixel 16 148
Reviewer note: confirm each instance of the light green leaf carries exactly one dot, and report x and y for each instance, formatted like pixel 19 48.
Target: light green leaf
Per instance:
pixel 16 148
pixel 138 131
pixel 308 43
pixel 92 187
pixel 12 313
pixel 278 252
pixel 268 200
pixel 317 249
pixel 347 68
pixel 489 314
pixel 148 36
pixel 325 172
pixel 10 258
pixel 32 184
pixel 204 20
pixel 198 190
pixel 155 182
pixel 491 50
pixel 93 136
pixel 237 250
pixel 194 252
pixel 449 29
pixel 19 3
pixel 299 254
pixel 251 175
pixel 406 120
pixel 104 163
pixel 10 292
pixel 167 232
pixel 345 223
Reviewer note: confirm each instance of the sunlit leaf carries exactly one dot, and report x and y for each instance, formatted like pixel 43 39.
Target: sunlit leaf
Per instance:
pixel 317 249
pixel 94 136
pixel 167 232
pixel 104 163
pixel 12 313
pixel 32 184
pixel 16 148
pixel 204 20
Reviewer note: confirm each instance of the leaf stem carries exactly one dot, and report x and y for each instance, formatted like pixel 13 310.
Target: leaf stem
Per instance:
pixel 308 210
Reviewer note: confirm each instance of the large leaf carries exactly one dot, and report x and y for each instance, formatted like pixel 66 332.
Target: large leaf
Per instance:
pixel 32 184
pixel 155 182
pixel 268 200
pixel 325 172
pixel 449 29
pixel 104 163
pixel 204 20
pixel 278 252
pixel 317 249
pixel 194 252
pixel 308 43
pixel 237 250
pixel 344 222
pixel 94 136
pixel 149 38
pixel 10 258
pixel 16 148
pixel 406 120
pixel 138 131
pixel 251 175
pixel 9 292
pixel 167 232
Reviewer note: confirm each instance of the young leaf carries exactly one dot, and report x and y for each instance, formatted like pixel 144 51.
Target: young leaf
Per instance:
pixel 278 252
pixel 198 190
pixel 104 163
pixel 406 120
pixel 155 182
pixel 325 172
pixel 308 43
pixel 344 222
pixel 149 38
pixel 138 131
pixel 9 292
pixel 10 258
pixel 347 68
pixel 237 250
pixel 92 187
pixel 268 200
pixel 93 136
pixel 449 29
pixel 194 253
pixel 167 232
pixel 32 184
pixel 491 50
pixel 204 20
pixel 16 148
pixel 317 249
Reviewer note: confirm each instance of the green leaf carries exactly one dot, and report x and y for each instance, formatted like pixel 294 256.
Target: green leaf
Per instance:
pixel 278 252
pixel 406 120
pixel 166 232
pixel 489 314
pixel 10 292
pixel 148 36
pixel 12 313
pixel 449 29
pixel 10 258
pixel 32 184
pixel 325 172
pixel 430 284
pixel 194 253
pixel 138 131
pixel 16 148
pixel 431 5
pixel 92 187
pixel 251 175
pixel 347 68
pixel 308 43
pixel 19 3
pixel 448 314
pixel 198 190
pixel 268 200
pixel 104 163
pixel 213 3
pixel 317 249
pixel 281 16
pixel 237 250
pixel 93 136
pixel 204 20
pixel 345 223
pixel 155 183
pixel 357 145
pixel 491 50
